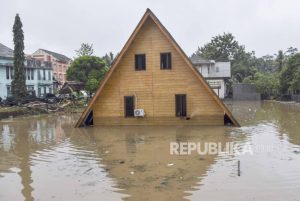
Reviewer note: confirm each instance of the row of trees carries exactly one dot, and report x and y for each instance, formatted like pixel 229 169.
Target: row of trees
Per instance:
pixel 272 74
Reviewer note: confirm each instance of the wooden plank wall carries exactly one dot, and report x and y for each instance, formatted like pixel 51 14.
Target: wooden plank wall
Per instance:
pixel 154 88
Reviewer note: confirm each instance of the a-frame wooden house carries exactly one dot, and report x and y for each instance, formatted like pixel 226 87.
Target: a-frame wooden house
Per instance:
pixel 153 82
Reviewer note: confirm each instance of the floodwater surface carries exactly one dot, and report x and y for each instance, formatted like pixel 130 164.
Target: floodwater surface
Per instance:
pixel 45 158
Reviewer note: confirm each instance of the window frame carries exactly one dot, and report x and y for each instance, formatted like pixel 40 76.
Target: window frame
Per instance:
pixel 168 56
pixel 143 68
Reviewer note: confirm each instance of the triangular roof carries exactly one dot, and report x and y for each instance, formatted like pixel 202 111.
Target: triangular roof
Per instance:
pixel 58 56
pixel 197 59
pixel 150 14
pixel 6 51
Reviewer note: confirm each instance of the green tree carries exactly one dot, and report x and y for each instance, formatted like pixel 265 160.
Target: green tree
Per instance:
pixel 295 83
pixel 226 48
pixel 92 84
pixel 289 74
pixel 108 58
pixel 291 51
pixel 221 48
pixel 87 68
pixel 85 50
pixel 280 60
pixel 18 83
pixel 266 83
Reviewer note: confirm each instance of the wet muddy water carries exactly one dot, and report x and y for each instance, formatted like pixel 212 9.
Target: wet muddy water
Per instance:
pixel 45 158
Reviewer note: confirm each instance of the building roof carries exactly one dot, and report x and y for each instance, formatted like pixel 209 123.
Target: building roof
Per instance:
pixel 149 14
pixel 197 59
pixel 60 57
pixel 6 51
pixel 70 86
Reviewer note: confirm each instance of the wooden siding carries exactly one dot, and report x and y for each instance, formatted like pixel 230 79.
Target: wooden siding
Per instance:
pixel 154 88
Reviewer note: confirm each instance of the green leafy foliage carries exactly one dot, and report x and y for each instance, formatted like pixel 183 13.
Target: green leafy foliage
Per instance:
pixel 272 74
pixel 221 48
pixel 18 83
pixel 87 69
pixel 267 84
pixel 108 58
pixel 289 77
pixel 85 50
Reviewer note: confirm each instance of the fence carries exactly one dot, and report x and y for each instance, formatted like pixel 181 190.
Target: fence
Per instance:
pixel 245 92
pixel 296 98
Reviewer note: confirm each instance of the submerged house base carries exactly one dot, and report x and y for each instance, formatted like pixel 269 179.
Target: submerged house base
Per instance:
pixel 150 121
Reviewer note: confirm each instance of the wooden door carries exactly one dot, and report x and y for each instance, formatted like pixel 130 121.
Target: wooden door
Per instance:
pixel 129 106
pixel 180 104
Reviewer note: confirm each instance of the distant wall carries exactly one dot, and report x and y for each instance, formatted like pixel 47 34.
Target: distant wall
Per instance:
pixel 296 98
pixel 245 92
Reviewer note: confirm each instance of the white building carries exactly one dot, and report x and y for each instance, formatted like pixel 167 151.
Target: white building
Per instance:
pixel 215 73
pixel 38 74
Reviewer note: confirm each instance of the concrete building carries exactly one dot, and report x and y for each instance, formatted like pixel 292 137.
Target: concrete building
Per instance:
pixel 38 74
pixel 60 63
pixel 214 72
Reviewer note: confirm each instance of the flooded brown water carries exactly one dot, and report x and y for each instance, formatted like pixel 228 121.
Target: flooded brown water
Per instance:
pixel 45 158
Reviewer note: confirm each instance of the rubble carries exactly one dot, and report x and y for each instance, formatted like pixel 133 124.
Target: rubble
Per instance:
pixel 39 107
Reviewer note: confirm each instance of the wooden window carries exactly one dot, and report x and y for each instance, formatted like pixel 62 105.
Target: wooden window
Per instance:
pixel 140 62
pixel 180 104
pixel 165 61
pixel 129 106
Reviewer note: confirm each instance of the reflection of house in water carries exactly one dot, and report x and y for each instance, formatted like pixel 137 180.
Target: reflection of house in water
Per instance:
pixel 20 139
pixel 139 159
pixel 136 159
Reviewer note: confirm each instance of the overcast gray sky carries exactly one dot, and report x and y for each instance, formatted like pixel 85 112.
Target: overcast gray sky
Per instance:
pixel 264 26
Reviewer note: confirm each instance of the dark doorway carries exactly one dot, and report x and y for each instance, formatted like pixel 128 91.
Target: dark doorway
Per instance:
pixel 180 104
pixel 227 120
pixel 129 106
pixel 89 120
